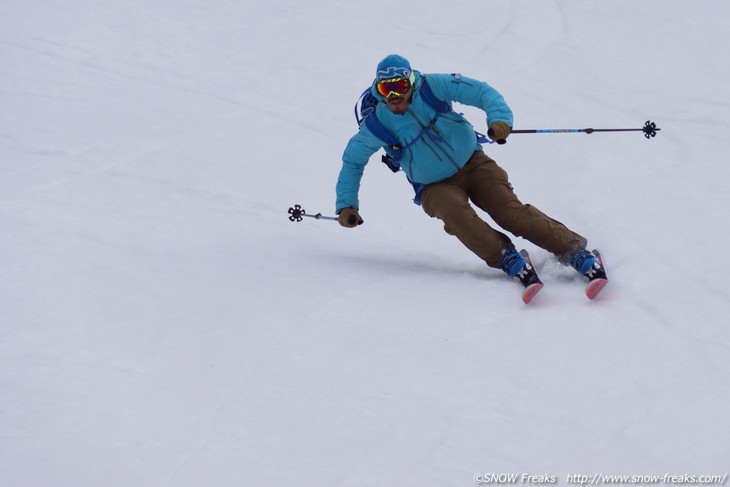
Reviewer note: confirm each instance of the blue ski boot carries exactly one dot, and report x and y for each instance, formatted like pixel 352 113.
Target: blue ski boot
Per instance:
pixel 519 265
pixel 590 265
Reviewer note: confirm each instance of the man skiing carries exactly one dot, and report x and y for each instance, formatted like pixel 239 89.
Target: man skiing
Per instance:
pixel 440 155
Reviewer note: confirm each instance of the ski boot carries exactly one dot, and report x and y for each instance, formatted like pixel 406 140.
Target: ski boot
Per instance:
pixel 519 265
pixel 590 265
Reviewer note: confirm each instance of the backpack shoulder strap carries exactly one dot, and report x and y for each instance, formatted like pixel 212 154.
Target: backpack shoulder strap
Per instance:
pixel 437 104
pixel 377 129
pixel 442 106
pixel 365 112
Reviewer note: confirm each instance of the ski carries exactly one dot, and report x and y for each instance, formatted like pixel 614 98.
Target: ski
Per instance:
pixel 597 277
pixel 529 278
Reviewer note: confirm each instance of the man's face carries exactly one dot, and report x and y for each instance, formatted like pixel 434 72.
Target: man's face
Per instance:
pixel 398 104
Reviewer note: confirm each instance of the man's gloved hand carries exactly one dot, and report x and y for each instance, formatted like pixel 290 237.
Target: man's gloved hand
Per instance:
pixel 499 131
pixel 349 217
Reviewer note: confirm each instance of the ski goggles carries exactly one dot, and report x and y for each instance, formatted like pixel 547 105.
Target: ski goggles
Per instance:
pixel 394 86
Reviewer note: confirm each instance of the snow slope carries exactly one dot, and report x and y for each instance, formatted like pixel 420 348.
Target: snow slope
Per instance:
pixel 164 324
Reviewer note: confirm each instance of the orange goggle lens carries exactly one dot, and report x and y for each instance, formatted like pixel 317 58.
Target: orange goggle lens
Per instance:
pixel 398 86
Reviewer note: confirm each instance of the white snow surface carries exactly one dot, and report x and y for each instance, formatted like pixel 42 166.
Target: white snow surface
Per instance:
pixel 163 323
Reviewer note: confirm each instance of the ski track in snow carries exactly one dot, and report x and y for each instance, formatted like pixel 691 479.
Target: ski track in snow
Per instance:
pixel 164 323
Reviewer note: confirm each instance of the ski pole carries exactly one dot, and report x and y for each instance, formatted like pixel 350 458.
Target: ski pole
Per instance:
pixel 650 129
pixel 297 212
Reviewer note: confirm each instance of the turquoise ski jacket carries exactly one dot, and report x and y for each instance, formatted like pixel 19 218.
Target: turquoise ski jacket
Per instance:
pixel 438 153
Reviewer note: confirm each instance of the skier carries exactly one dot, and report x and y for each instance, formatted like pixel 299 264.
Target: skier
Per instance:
pixel 447 167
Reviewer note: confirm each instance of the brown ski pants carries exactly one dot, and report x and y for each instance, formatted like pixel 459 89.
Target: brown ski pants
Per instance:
pixel 485 183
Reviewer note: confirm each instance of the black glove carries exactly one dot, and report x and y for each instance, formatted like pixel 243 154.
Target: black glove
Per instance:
pixel 349 217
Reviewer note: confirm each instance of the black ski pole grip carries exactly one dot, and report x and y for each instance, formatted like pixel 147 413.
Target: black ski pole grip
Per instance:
pixel 354 221
pixel 490 133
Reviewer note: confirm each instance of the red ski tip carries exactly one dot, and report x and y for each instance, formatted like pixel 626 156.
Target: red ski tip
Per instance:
pixel 594 287
pixel 531 291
